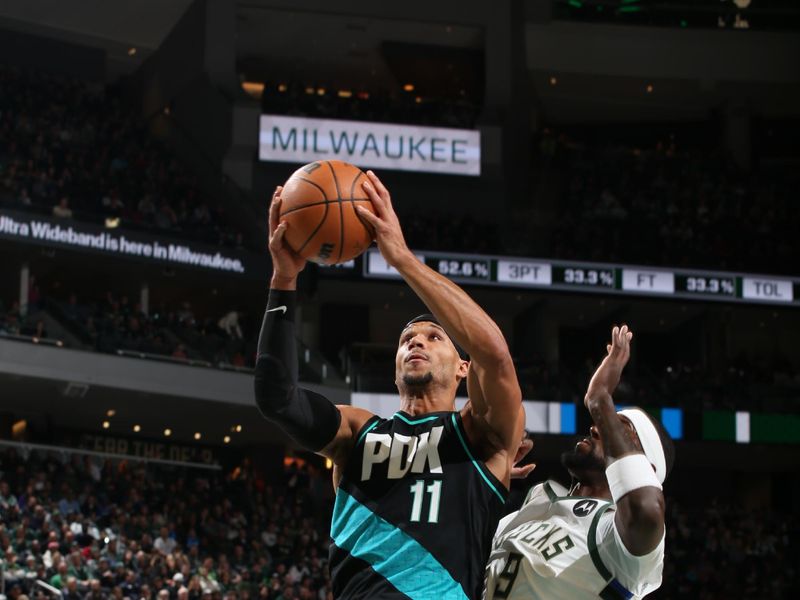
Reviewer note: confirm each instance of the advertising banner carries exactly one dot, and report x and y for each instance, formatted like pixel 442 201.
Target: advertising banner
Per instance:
pixel 375 145
pixel 75 235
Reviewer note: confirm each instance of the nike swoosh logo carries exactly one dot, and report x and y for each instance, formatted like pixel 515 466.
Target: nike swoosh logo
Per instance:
pixel 280 308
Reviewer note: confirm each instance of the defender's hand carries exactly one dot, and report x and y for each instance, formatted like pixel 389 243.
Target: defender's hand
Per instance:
pixel 388 233
pixel 286 264
pixel 525 446
pixel 607 376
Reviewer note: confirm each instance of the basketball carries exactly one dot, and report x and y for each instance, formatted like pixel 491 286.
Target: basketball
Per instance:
pixel 319 203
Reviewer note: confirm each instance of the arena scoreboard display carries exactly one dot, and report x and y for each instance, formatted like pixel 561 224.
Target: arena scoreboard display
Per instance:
pixel 599 278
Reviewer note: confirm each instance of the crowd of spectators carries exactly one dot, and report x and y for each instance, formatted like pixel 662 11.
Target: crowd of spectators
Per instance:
pixel 74 150
pixel 723 550
pixel 662 204
pixel 115 322
pixel 117 529
pixel 14 322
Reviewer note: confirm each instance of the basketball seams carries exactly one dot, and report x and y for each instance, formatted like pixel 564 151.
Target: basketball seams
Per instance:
pixel 324 215
pixel 341 210
pixel 291 210
pixel 317 228
pixel 353 201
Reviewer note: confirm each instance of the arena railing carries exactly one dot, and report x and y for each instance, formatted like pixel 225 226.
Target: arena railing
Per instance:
pixel 55 592
pixel 32 339
pixel 26 448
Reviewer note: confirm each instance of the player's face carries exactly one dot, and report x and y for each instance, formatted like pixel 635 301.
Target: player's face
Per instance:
pixel 426 355
pixel 589 453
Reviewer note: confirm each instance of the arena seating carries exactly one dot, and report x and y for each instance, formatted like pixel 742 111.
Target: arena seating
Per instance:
pixel 74 150
pixel 96 528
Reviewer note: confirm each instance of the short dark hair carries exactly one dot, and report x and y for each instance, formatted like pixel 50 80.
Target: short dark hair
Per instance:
pixel 462 354
pixel 666 443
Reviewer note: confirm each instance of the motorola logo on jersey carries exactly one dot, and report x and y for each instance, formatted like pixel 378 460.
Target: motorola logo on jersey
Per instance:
pixel 584 508
pixel 404 453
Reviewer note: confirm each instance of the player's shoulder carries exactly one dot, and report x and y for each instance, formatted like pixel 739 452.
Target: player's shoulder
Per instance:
pixel 639 574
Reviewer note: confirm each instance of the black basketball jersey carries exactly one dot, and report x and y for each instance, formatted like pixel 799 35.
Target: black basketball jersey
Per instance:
pixel 415 512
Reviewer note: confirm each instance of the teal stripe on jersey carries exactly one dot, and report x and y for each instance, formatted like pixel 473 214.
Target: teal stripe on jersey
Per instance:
pixel 415 421
pixel 475 462
pixel 391 552
pixel 366 431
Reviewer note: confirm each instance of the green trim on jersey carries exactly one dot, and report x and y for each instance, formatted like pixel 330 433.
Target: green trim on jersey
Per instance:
pixel 614 590
pixel 475 462
pixel 592 541
pixel 367 430
pixel 415 421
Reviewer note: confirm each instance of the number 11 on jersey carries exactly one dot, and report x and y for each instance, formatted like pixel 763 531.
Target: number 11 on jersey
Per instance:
pixel 418 495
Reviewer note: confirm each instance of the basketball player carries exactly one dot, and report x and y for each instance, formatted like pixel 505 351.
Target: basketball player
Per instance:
pixel 605 536
pixel 419 495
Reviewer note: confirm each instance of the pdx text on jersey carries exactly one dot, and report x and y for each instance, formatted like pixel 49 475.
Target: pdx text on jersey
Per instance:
pixel 404 453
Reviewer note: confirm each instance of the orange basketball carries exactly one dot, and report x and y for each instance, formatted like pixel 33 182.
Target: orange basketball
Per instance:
pixel 319 202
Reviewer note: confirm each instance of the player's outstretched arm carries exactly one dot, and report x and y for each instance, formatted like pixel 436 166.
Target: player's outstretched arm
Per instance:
pixel 491 369
pixel 306 416
pixel 640 512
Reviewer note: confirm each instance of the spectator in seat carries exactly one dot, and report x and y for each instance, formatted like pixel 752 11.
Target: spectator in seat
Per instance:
pixel 62 209
pixel 229 323
pixel 164 543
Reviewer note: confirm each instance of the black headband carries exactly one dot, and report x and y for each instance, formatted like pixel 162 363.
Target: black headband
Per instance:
pixel 428 317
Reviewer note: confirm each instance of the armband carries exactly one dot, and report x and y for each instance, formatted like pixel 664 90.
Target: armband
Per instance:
pixel 630 473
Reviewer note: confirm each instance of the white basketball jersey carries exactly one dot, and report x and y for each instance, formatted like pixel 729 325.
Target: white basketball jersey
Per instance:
pixel 566 547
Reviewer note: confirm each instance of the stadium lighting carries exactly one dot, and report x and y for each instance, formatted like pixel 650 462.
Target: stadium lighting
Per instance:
pixel 18 428
pixel 409 87
pixel 649 88
pixel 137 428
pixel 321 91
pixel 106 424
pixel 167 432
pixel 227 439
pixel 553 81
pixel 344 94
pixel 132 51
pixel 110 412
pixel 282 88
pixel 197 435
pixel 238 429
pixel 254 89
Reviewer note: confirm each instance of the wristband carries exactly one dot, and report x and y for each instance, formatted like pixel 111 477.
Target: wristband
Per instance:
pixel 630 473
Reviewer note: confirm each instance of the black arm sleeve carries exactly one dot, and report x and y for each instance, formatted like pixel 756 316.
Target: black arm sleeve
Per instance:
pixel 307 417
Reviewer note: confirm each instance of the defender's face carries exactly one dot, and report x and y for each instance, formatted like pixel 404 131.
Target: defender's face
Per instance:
pixel 425 348
pixel 589 453
pixel 593 443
